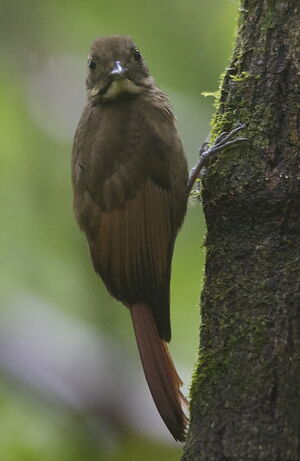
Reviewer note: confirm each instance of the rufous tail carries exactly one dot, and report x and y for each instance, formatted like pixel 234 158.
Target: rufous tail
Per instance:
pixel 161 375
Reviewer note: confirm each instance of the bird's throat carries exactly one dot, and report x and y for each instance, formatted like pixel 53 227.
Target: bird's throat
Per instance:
pixel 120 87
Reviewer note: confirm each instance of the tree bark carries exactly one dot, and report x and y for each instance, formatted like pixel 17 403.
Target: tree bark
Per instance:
pixel 245 397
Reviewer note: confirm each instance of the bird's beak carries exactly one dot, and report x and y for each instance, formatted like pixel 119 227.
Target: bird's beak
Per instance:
pixel 118 71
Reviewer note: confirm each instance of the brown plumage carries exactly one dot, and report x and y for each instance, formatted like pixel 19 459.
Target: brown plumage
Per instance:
pixel 130 192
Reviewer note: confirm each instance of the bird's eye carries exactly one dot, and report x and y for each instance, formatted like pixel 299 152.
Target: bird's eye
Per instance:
pixel 92 64
pixel 137 55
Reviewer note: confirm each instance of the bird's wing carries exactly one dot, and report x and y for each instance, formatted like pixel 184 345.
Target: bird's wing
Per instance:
pixel 132 248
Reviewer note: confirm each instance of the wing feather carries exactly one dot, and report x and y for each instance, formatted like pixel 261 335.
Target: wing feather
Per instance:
pixel 132 251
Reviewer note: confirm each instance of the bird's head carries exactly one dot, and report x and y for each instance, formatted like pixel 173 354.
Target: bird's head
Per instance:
pixel 116 69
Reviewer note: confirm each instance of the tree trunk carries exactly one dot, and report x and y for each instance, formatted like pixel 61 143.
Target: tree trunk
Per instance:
pixel 245 398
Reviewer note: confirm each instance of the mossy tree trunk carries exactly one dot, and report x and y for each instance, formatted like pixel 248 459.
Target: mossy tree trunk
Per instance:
pixel 246 389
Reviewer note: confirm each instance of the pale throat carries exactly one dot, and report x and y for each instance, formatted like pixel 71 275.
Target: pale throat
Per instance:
pixel 123 85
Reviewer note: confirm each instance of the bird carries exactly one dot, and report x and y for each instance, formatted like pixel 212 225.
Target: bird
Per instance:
pixel 129 177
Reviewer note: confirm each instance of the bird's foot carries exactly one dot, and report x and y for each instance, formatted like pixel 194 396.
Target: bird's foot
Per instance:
pixel 206 153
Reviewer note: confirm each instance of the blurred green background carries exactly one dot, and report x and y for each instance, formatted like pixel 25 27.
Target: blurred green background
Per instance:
pixel 71 386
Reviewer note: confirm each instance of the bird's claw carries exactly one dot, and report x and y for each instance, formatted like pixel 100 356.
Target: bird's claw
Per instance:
pixel 222 142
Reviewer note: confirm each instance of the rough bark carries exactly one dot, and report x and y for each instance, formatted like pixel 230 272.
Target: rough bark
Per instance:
pixel 246 389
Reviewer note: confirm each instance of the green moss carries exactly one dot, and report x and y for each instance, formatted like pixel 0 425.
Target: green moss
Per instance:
pixel 270 16
pixel 242 76
pixel 215 363
pixel 214 94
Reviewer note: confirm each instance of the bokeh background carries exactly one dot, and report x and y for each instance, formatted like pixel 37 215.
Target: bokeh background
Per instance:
pixel 71 385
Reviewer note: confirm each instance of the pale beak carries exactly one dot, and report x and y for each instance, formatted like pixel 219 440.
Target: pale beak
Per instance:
pixel 118 71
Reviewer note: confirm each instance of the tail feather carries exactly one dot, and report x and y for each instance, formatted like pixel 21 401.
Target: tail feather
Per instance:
pixel 161 375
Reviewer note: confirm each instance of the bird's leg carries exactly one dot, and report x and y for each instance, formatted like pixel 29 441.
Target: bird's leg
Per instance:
pixel 206 153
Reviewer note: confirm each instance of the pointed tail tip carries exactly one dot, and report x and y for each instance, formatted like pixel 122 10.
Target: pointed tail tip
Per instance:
pixel 178 431
pixel 161 375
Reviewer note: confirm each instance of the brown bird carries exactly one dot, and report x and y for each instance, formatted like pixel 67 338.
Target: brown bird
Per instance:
pixel 130 180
